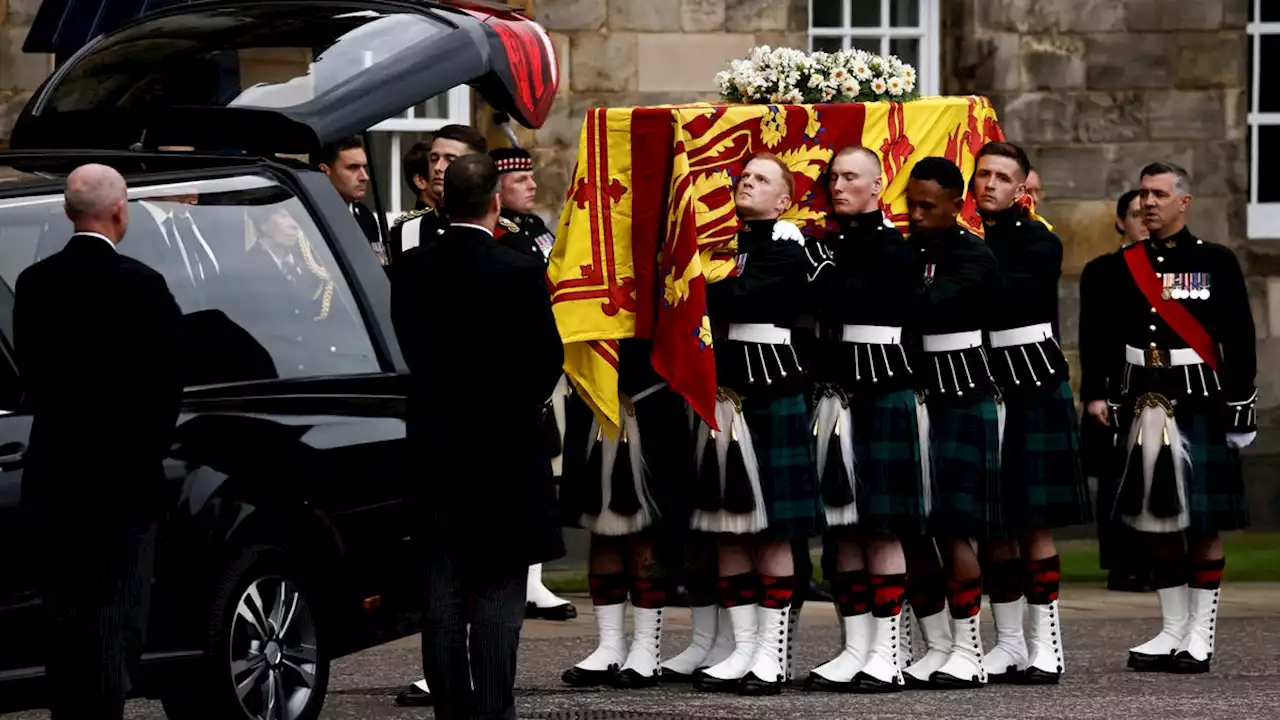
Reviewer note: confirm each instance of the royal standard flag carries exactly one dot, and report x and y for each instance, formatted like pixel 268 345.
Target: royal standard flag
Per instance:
pixel 649 217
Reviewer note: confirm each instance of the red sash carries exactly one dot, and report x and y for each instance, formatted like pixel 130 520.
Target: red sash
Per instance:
pixel 1171 311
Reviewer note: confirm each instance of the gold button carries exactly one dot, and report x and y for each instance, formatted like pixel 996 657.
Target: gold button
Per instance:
pixel 1153 310
pixel 1153 328
pixel 1153 344
pixel 1159 258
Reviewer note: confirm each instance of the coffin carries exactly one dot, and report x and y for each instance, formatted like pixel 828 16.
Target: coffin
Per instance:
pixel 649 217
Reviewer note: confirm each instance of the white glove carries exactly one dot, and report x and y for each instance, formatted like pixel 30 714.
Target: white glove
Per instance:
pixel 783 230
pixel 1241 441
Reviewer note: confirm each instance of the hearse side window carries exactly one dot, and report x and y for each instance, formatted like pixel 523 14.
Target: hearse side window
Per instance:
pixel 262 296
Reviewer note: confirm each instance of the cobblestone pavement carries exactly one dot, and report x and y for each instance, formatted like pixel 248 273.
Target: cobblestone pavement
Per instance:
pixel 1099 627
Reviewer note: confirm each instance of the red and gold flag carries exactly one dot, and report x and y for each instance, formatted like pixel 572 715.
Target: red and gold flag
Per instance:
pixel 649 218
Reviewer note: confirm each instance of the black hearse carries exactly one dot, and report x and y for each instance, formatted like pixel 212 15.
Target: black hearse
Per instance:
pixel 285 543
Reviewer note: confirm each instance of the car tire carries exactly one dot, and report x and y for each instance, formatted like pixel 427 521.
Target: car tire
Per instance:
pixel 263 655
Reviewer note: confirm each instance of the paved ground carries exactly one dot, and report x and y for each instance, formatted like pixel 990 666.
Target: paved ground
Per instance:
pixel 1099 627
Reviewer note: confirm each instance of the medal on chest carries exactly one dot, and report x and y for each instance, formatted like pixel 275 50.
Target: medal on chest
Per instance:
pixel 1185 286
pixel 930 269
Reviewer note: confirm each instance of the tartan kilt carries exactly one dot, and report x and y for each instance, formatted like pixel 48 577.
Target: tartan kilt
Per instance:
pixel 1041 464
pixel 663 421
pixel 886 448
pixel 780 433
pixel 1216 498
pixel 964 446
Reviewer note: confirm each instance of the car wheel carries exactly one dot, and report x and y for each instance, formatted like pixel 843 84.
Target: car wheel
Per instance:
pixel 264 656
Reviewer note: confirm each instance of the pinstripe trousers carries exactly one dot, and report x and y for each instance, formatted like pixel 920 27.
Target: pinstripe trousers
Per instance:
pixel 491 602
pixel 97 597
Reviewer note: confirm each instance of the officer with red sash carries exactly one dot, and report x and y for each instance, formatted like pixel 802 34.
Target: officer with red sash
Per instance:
pixel 1173 359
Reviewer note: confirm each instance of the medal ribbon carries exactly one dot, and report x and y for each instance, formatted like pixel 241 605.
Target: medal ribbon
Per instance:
pixel 1171 311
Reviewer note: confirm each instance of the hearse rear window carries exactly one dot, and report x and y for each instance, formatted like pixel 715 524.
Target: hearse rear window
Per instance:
pixel 275 55
pixel 262 295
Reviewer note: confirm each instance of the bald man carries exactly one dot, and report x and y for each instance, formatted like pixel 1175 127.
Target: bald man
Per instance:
pixel 96 331
pixel 862 279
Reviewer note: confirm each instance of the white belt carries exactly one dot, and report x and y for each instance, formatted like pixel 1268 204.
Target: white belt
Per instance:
pixel 952 342
pixel 762 333
pixel 1161 358
pixel 1028 335
pixel 872 334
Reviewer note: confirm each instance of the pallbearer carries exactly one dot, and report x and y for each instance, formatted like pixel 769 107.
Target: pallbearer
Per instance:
pixel 865 424
pixel 624 489
pixel 957 281
pixel 1042 480
pixel 756 484
pixel 1177 345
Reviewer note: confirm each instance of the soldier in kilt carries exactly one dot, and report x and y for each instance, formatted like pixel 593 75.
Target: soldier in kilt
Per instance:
pixel 1043 483
pixel 756 486
pixel 953 299
pixel 862 278
pixel 623 490
pixel 1175 356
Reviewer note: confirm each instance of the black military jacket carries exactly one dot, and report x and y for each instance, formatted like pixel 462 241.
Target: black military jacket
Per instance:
pixel 957 283
pixel 770 289
pixel 526 234
pixel 416 228
pixel 1029 259
pixel 862 274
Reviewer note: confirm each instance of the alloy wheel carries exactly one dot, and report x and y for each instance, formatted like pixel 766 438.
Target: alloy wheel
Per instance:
pixel 274 659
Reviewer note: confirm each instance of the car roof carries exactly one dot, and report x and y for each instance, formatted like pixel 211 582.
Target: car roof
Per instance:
pixel 282 76
pixel 26 172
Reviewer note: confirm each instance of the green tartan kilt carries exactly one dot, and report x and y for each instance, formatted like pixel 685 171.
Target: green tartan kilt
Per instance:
pixel 1041 461
pixel 965 461
pixel 780 434
pixel 1215 487
pixel 886 448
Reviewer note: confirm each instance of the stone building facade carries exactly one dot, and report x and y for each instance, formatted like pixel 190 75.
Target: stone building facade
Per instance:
pixel 20 74
pixel 1094 89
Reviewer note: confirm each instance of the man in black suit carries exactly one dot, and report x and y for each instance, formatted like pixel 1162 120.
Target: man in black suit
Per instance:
pixel 462 308
pixel 96 332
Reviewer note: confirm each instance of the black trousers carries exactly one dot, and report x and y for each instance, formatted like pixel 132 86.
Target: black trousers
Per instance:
pixel 475 676
pixel 97 596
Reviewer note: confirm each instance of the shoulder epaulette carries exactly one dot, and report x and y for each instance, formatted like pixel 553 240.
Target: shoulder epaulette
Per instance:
pixel 510 226
pixel 406 217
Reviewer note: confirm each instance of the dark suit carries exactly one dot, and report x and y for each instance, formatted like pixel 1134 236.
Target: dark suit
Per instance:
pixel 463 308
pixel 97 342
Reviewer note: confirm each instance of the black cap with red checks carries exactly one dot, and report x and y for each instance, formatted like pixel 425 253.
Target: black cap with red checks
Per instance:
pixel 512 160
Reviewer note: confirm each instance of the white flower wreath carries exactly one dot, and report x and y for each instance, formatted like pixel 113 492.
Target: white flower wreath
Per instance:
pixel 790 76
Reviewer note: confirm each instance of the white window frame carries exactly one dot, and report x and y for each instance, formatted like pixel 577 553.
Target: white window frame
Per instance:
pixel 459 112
pixel 928 32
pixel 1263 217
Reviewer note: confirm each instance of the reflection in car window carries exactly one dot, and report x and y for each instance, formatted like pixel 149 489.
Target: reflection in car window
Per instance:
pixel 272 55
pixel 261 294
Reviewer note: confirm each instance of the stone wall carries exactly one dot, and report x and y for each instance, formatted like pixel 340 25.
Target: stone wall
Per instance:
pixel 1095 89
pixel 20 74
pixel 626 52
